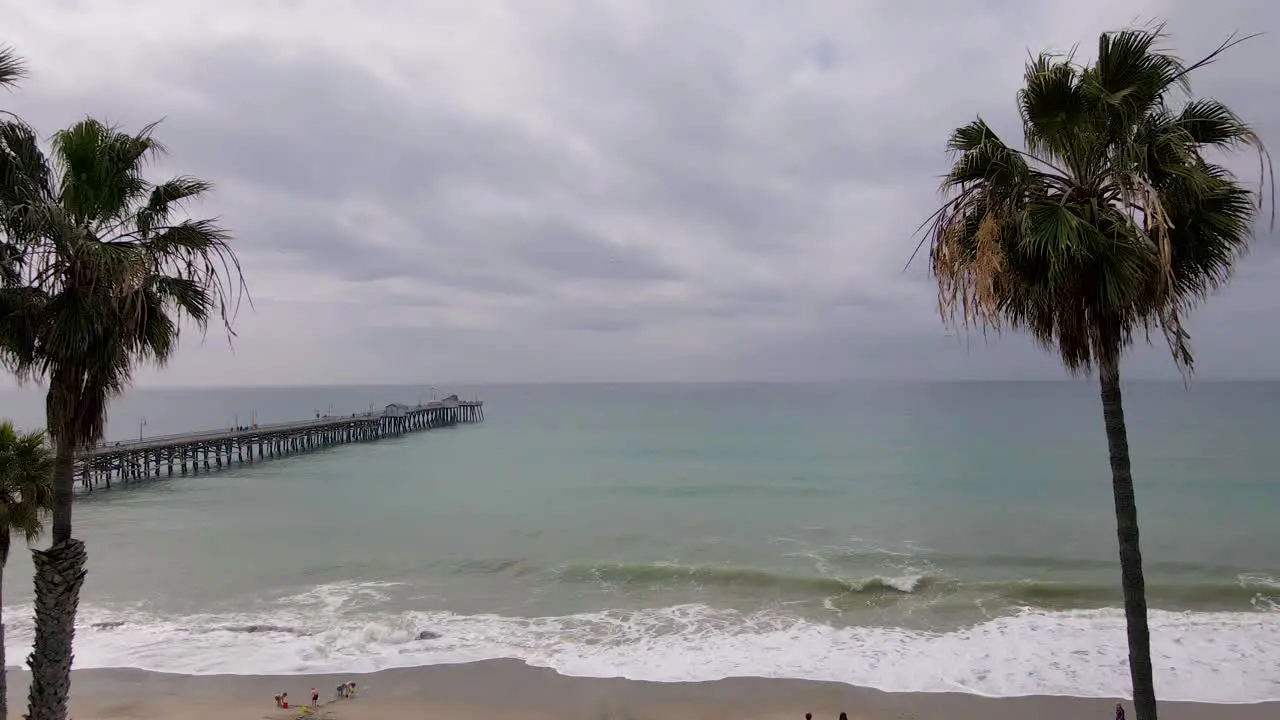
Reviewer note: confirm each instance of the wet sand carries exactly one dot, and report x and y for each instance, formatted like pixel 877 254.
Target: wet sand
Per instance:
pixel 503 689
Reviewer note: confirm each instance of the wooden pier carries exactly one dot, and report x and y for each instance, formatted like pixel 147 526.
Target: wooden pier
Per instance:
pixel 125 462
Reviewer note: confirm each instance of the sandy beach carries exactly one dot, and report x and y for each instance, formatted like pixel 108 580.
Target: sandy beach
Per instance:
pixel 507 689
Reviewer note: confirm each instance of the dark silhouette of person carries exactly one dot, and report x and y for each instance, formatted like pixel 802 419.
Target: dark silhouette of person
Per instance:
pixel 843 716
pixel 1119 711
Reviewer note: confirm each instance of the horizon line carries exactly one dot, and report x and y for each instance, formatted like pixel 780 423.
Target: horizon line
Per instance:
pixel 444 386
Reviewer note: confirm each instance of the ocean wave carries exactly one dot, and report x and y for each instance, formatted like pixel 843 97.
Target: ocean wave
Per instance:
pixel 651 574
pixel 251 628
pixel 1237 595
pixel 1212 656
pixel 1246 591
pixel 861 556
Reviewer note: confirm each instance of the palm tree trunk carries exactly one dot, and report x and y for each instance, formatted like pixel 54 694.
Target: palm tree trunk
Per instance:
pixel 60 572
pixel 1135 591
pixel 64 481
pixel 4 685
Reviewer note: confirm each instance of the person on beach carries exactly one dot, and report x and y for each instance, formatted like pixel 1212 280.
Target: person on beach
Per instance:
pixel 315 698
pixel 843 716
pixel 1119 711
pixel 284 700
pixel 279 699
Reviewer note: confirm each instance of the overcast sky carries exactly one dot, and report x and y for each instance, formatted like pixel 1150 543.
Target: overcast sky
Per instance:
pixel 560 190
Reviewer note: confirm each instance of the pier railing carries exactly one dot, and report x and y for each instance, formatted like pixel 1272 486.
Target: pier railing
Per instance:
pixel 252 430
pixel 248 430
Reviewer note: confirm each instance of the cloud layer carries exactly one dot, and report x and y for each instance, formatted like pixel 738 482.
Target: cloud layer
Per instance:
pixel 585 190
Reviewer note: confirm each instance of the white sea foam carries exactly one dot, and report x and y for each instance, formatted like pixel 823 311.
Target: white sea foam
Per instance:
pixel 903 583
pixel 1214 657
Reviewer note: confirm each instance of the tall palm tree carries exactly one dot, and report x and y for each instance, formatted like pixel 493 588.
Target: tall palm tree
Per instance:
pixel 18 496
pixel 26 495
pixel 1115 217
pixel 109 267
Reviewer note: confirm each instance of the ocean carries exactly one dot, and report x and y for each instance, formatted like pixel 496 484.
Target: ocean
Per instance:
pixel 907 537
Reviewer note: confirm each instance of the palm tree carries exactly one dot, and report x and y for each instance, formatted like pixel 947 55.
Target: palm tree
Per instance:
pixel 108 270
pixel 26 494
pixel 1113 218
pixel 25 476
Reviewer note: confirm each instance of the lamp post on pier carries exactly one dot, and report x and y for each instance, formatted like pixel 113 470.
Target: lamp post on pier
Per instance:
pixel 141 424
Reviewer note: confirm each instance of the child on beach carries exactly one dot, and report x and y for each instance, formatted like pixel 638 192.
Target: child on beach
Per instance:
pixel 315 698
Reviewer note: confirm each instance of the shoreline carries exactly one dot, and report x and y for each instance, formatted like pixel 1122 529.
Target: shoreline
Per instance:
pixel 1213 660
pixel 510 688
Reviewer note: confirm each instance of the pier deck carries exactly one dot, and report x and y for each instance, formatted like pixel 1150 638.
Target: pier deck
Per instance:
pixel 128 461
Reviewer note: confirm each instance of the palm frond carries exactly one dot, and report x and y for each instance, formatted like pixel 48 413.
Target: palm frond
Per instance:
pixel 22 311
pixel 11 257
pixel 24 181
pixel 165 199
pixel 1132 71
pixel 200 251
pixel 1212 219
pixel 1209 123
pixel 984 158
pixel 12 67
pixel 1054 110
pixel 101 171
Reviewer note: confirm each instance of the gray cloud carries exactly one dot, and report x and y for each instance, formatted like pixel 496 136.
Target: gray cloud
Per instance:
pixel 703 190
pixel 570 252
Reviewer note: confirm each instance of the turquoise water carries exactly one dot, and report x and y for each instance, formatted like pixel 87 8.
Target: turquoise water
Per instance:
pixel 849 532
